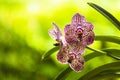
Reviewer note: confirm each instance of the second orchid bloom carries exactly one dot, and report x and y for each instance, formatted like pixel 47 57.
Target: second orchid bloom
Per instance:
pixel 78 35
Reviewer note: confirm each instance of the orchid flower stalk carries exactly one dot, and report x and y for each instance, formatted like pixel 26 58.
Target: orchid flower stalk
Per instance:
pixel 78 35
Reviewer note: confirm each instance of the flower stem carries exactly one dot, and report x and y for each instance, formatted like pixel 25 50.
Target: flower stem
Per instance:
pixel 99 51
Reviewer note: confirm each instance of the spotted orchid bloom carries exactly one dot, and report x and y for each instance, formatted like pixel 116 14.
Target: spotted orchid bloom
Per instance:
pixel 78 35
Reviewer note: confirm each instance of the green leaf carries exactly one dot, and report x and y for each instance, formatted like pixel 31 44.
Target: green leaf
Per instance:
pixel 93 54
pixel 99 69
pixel 108 76
pixel 95 50
pixel 114 39
pixel 64 74
pixel 114 53
pixel 51 51
pixel 105 13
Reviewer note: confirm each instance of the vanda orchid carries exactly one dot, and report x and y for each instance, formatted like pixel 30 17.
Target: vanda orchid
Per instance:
pixel 78 35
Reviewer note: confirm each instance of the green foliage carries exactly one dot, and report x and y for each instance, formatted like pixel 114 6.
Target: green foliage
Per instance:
pixel 105 13
pixel 97 53
pixel 47 54
pixel 26 51
pixel 113 39
pixel 109 66
pixel 113 53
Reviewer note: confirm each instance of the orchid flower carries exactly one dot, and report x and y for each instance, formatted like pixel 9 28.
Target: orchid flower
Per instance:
pixel 63 52
pixel 78 35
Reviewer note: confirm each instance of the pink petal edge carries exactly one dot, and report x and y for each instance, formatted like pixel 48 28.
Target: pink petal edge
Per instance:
pixel 78 19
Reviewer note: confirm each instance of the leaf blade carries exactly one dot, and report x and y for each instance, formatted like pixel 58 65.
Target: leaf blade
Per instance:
pixel 114 53
pixel 88 57
pixel 99 69
pixel 106 14
pixel 114 39
pixel 47 54
pixel 109 52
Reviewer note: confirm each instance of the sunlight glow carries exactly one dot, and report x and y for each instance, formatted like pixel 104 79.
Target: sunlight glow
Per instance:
pixel 33 8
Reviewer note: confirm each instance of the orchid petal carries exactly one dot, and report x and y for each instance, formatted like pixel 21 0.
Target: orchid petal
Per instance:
pixel 52 34
pixel 88 26
pixel 78 19
pixel 70 34
pixel 88 38
pixel 78 48
pixel 57 30
pixel 77 63
pixel 55 33
pixel 62 55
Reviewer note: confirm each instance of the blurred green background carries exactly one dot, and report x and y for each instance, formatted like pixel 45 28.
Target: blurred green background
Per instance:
pixel 24 38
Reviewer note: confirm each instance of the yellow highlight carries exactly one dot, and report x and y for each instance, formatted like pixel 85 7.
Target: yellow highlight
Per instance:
pixel 33 8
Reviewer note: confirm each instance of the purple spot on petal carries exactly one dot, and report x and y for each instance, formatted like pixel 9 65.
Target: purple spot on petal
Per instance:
pixel 62 58
pixel 78 68
pixel 90 39
pixel 80 59
pixel 71 56
pixel 80 36
pixel 78 19
pixel 69 61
